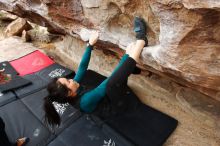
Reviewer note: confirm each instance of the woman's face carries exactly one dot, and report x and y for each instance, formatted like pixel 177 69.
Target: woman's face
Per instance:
pixel 71 85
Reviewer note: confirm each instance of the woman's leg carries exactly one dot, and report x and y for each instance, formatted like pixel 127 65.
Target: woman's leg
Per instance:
pixel 121 75
pixel 134 50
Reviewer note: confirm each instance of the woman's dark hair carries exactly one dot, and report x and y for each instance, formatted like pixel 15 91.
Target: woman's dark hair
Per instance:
pixel 57 93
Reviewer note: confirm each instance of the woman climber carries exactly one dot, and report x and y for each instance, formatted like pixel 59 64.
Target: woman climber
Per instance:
pixel 63 90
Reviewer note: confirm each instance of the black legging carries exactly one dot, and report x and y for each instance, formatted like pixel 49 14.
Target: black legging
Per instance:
pixel 120 77
pixel 109 105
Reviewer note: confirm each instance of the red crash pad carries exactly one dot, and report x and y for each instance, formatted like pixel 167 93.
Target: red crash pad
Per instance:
pixel 31 63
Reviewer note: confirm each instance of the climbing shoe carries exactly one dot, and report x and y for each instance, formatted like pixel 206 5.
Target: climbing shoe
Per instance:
pixel 140 29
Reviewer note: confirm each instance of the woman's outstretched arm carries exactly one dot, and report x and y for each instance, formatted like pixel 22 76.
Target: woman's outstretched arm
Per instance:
pixel 83 64
pixel 86 58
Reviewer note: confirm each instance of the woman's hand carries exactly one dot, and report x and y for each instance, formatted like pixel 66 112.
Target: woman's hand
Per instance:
pixel 93 38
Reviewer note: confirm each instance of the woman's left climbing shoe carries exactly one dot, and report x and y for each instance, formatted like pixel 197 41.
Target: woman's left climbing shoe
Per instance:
pixel 140 29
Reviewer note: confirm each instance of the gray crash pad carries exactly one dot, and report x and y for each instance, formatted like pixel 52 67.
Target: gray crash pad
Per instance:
pixel 20 122
pixel 54 71
pixel 6 97
pixel 35 101
pixel 37 84
pixel 87 131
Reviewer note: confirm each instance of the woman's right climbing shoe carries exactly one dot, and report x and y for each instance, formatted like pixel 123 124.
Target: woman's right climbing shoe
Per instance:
pixel 140 29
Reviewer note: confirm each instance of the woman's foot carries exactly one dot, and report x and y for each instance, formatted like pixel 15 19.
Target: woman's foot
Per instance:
pixel 22 141
pixel 140 29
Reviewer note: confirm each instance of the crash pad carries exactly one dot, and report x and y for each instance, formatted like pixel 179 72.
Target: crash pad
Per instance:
pixel 35 103
pixel 20 122
pixel 123 111
pixel 14 83
pixel 86 131
pixel 31 63
pixel 6 98
pixel 37 84
pixel 8 69
pixel 55 71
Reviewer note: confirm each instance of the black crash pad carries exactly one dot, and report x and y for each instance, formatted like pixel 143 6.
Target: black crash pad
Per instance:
pixel 15 82
pixel 92 78
pixel 86 131
pixel 144 126
pixel 20 122
pixel 35 104
pixel 6 97
pixel 37 84
pixel 141 124
pixel 8 69
pixel 55 70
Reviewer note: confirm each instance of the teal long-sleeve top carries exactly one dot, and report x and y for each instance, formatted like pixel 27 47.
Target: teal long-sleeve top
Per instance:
pixel 90 99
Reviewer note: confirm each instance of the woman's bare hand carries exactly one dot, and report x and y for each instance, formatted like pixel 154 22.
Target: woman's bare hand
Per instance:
pixel 94 38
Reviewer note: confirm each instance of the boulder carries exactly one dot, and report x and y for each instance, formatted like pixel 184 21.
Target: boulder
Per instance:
pixel 16 27
pixel 5 16
pixel 25 36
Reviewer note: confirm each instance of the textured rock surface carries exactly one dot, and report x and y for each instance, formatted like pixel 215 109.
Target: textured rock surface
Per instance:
pixel 5 16
pixel 189 45
pixel 16 27
pixel 184 35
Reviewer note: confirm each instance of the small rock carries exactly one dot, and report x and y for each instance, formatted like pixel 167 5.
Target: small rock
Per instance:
pixel 16 27
pixel 5 16
pixel 25 36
